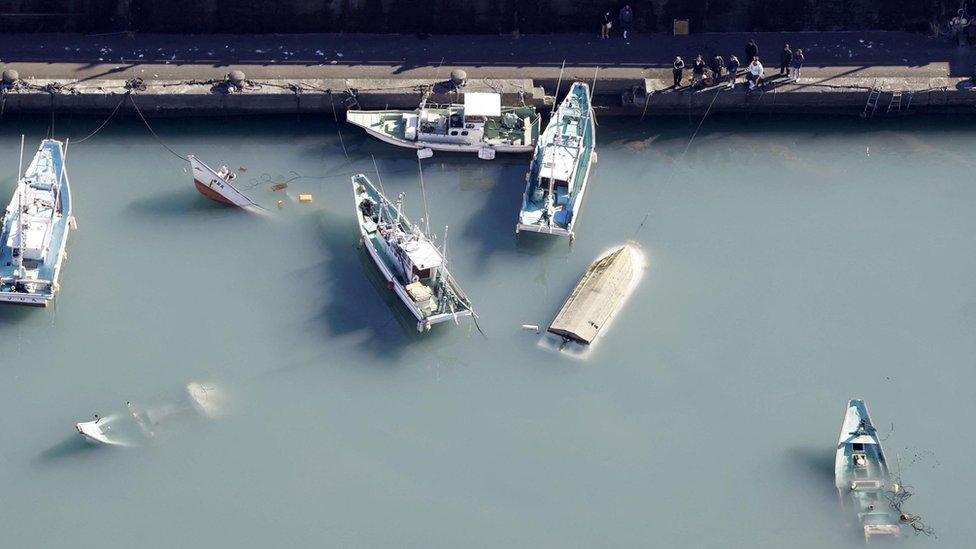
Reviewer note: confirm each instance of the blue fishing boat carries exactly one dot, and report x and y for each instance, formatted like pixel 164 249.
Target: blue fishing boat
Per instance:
pixel 413 266
pixel 560 167
pixel 35 229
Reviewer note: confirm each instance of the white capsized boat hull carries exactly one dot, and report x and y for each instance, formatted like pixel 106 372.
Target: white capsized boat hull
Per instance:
pixel 210 184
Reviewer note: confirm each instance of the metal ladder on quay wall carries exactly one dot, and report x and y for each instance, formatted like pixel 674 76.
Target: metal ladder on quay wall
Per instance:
pixel 872 104
pixel 894 105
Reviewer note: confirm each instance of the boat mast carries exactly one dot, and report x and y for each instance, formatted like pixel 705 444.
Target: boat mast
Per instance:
pixel 555 96
pixel 64 161
pixel 19 260
pixel 423 194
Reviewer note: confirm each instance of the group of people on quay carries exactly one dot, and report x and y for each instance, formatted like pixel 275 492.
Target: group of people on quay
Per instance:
pixel 716 71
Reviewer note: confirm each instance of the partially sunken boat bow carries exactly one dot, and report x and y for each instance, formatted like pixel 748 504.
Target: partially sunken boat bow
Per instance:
pixel 35 230
pixel 598 295
pixel 218 185
pixel 560 169
pixel 480 124
pixel 862 476
pixel 412 265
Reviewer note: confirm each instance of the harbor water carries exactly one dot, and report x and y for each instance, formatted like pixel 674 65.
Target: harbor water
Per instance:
pixel 793 264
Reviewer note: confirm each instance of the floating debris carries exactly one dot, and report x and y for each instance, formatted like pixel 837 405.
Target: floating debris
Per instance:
pixel 305 197
pixel 279 186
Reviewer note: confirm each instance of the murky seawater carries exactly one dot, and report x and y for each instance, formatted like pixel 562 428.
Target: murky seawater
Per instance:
pixel 794 264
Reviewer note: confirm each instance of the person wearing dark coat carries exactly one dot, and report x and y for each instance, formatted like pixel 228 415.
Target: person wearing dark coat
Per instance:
pixel 785 58
pixel 733 70
pixel 716 63
pixel 626 18
pixel 679 66
pixel 752 50
pixel 607 25
pixel 698 72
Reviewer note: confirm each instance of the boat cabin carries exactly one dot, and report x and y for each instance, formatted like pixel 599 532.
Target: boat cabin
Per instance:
pixel 459 123
pixel 421 259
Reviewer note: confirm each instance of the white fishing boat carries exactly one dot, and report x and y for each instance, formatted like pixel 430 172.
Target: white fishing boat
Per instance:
pixel 560 168
pixel 35 230
pixel 218 184
pixel 862 476
pixel 480 125
pixel 413 266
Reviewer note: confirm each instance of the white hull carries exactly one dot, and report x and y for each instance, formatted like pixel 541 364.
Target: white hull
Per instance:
pixel 401 292
pixel 440 146
pixel 210 184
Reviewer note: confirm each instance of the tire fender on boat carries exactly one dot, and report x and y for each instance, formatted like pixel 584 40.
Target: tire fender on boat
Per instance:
pixel 389 284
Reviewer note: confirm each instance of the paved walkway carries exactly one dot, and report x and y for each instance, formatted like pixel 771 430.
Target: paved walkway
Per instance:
pixel 68 57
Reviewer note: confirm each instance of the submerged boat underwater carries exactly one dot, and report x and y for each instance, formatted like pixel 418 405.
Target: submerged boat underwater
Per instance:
pixel 137 427
pixel 218 185
pixel 413 267
pixel 35 230
pixel 560 167
pixel 479 125
pixel 861 474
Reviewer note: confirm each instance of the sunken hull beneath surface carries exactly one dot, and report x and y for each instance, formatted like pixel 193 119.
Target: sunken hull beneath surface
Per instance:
pixel 39 238
pixel 862 477
pixel 451 307
pixel 480 123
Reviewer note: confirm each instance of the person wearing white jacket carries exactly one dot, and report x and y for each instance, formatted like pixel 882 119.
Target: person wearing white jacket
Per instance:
pixel 756 74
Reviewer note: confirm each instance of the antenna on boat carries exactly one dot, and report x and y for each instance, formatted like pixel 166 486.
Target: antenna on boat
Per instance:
pixel 20 166
pixel 444 247
pixel 64 161
pixel 378 178
pixel 423 194
pixel 589 106
pixel 555 96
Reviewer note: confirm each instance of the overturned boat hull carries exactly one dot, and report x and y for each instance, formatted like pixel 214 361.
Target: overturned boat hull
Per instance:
pixel 598 295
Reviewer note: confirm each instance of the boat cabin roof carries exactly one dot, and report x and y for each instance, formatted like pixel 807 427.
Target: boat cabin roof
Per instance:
pixel 422 254
pixel 482 104
pixel 558 162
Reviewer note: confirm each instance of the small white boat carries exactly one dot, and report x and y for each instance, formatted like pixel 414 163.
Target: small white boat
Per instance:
pixel 218 184
pixel 861 474
pixel 560 169
pixel 480 125
pixel 35 230
pixel 412 265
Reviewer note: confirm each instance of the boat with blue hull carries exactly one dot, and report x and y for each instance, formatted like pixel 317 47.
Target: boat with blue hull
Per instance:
pixel 36 224
pixel 413 266
pixel 560 167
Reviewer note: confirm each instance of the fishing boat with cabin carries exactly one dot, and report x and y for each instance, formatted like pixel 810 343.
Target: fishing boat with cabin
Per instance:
pixel 218 185
pixel 862 476
pixel 35 230
pixel 560 167
pixel 413 266
pixel 480 124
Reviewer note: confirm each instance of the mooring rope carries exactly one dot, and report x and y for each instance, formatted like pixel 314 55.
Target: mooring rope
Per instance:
pixel 338 131
pixel 98 129
pixel 153 132
pixel 674 166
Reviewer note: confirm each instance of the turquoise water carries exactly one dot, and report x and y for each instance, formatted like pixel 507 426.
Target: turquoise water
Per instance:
pixel 794 264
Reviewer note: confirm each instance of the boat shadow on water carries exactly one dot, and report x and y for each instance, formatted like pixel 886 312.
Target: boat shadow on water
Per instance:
pixel 71 447
pixel 360 303
pixel 180 203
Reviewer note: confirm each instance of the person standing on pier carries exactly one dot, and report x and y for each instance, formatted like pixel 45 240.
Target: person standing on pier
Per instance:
pixel 785 59
pixel 756 72
pixel 678 70
pixel 607 25
pixel 698 72
pixel 752 50
pixel 798 59
pixel 716 64
pixel 733 70
pixel 626 18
